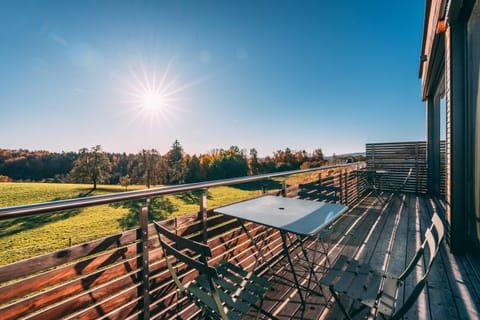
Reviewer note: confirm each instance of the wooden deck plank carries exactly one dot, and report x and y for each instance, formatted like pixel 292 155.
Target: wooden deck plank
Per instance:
pixel 398 250
pixel 379 245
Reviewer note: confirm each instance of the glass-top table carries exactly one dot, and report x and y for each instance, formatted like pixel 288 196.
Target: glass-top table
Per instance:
pixel 373 177
pixel 304 218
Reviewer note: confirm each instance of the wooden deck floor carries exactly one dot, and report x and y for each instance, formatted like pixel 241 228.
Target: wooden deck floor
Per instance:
pixel 385 237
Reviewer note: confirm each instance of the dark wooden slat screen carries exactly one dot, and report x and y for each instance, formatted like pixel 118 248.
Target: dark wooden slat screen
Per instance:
pixel 397 158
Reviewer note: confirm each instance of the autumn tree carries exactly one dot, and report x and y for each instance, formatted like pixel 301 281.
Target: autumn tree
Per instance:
pixel 228 164
pixel 91 166
pixel 285 160
pixel 268 165
pixel 318 155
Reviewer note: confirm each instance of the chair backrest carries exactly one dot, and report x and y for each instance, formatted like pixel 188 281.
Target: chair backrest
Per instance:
pixel 404 183
pixel 177 247
pixel 434 236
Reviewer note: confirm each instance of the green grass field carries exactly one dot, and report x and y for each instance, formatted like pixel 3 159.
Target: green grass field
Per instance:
pixel 27 237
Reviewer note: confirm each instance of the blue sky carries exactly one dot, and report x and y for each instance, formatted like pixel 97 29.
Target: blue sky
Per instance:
pixel 265 74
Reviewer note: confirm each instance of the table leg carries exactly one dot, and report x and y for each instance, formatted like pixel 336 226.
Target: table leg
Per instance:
pixel 311 265
pixel 287 253
pixel 373 185
pixel 377 195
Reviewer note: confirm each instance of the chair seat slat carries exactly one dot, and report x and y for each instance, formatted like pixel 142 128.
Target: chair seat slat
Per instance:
pixel 250 275
pixel 226 298
pixel 201 296
pixel 246 295
pixel 347 278
pixel 370 294
pixel 359 289
pixel 334 271
pixel 386 303
pixel 245 283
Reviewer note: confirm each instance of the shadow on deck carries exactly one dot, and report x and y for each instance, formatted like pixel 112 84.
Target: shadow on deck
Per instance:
pixel 386 237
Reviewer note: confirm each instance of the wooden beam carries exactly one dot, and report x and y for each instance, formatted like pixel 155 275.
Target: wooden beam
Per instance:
pixel 456 136
pixel 433 144
pixel 145 293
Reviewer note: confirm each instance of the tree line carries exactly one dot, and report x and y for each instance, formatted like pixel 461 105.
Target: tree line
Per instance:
pixel 150 167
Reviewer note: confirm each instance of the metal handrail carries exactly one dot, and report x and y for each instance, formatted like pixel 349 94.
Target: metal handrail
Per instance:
pixel 53 206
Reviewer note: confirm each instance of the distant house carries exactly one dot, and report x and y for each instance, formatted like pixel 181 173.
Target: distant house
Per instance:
pixel 450 69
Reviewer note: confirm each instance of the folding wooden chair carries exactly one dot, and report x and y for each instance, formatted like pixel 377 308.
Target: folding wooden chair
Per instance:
pixel 398 189
pixel 222 292
pixel 374 288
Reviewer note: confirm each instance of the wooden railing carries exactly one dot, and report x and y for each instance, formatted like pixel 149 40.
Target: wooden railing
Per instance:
pixel 123 276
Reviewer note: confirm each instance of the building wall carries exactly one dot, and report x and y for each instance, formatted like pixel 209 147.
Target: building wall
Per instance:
pixel 473 69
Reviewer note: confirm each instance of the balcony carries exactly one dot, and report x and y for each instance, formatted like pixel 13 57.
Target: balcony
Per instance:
pixel 107 279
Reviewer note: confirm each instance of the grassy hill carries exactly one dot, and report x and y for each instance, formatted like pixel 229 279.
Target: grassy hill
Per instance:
pixel 27 237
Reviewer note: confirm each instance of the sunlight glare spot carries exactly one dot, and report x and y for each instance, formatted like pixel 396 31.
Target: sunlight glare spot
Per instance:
pixel 152 101
pixel 155 96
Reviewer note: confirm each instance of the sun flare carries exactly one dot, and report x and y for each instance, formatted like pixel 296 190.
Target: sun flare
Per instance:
pixel 155 96
pixel 152 101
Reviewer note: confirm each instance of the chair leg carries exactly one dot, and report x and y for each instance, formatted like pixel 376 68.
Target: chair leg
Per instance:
pixel 337 299
pixel 263 311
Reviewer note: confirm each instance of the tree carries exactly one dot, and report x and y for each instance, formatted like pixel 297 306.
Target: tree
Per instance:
pixel 254 164
pixel 285 160
pixel 318 155
pixel 125 181
pixel 176 170
pixel 268 165
pixel 235 162
pixel 147 167
pixel 334 159
pixel 194 172
pixel 227 164
pixel 91 166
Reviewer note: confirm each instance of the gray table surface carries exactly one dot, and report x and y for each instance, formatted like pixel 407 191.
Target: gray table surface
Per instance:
pixel 302 217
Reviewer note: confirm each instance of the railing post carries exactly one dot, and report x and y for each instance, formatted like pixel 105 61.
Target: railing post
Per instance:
pixel 416 168
pixel 144 265
pixel 373 156
pixel 264 188
pixel 340 182
pixel 203 215
pixel 284 188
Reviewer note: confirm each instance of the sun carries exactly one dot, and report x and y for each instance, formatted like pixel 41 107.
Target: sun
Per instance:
pixel 153 101
pixel 155 96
